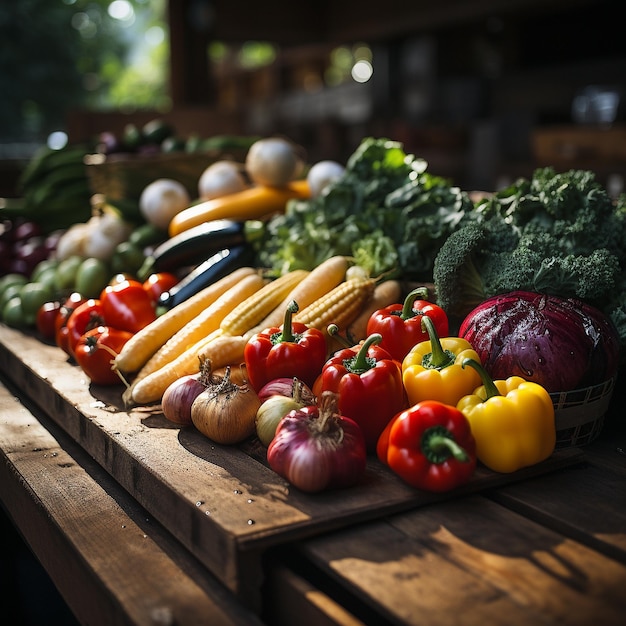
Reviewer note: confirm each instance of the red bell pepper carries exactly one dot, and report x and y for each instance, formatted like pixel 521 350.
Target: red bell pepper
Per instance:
pixel 291 350
pixel 430 446
pixel 369 384
pixel 401 324
pixel 127 306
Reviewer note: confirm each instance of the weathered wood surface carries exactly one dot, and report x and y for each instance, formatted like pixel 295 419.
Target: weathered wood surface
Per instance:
pixel 110 560
pixel 223 503
pixel 470 561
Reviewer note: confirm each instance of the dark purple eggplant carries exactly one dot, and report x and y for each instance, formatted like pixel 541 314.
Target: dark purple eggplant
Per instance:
pixel 206 273
pixel 560 343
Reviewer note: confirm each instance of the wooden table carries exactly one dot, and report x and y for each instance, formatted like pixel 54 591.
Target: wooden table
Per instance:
pixel 138 522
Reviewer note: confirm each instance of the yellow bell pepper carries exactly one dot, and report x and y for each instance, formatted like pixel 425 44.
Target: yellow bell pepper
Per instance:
pixel 512 421
pixel 432 370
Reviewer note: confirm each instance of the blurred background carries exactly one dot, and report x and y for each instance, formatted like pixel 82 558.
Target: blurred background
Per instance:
pixel 485 90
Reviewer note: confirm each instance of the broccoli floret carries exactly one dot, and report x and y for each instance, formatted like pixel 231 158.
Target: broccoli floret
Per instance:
pixel 481 260
pixel 470 262
pixel 588 277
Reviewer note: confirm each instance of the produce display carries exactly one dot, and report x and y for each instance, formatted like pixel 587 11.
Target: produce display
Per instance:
pixel 336 313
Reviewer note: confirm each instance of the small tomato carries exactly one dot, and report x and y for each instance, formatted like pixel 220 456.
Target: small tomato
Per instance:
pixel 95 351
pixel 60 326
pixel 46 319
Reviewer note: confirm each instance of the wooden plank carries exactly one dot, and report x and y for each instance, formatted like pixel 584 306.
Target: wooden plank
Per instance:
pixel 471 561
pixel 112 563
pixel 557 501
pixel 290 596
pixel 223 503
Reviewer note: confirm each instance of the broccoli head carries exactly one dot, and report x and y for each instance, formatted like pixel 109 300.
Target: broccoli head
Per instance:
pixel 469 264
pixel 481 260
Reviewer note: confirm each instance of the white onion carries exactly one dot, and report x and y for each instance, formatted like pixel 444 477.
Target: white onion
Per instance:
pixel 322 174
pixel 161 200
pixel 273 162
pixel 220 179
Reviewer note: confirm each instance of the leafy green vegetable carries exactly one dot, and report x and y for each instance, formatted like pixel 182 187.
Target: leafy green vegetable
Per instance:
pixel 384 192
pixel 559 234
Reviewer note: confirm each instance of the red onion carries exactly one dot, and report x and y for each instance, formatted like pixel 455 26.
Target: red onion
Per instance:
pixel 274 407
pixel 316 449
pixel 178 398
pixel 285 387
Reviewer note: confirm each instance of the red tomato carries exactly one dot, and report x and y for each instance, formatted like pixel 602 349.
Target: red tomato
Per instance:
pixel 159 283
pixel 96 349
pixel 85 316
pixel 46 319
pixel 61 334
pixel 126 306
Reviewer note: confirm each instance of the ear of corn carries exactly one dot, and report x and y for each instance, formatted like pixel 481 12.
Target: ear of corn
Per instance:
pixel 340 306
pixel 255 308
pixel 319 282
pixel 219 349
pixel 203 324
pixel 147 341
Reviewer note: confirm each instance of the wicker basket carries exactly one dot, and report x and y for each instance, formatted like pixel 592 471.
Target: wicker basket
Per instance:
pixel 125 176
pixel 579 414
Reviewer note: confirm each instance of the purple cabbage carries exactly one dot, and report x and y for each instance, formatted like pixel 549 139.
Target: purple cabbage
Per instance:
pixel 562 344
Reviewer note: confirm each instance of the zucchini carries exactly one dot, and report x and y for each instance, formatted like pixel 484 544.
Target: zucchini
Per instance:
pixel 214 268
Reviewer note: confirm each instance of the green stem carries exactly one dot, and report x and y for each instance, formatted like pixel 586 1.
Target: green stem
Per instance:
pixel 333 331
pixel 287 334
pixel 438 445
pixel 407 308
pixel 490 387
pixel 439 358
pixel 361 362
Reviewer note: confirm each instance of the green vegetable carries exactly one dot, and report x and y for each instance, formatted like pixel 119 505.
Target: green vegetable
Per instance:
pixel 383 192
pixel 558 234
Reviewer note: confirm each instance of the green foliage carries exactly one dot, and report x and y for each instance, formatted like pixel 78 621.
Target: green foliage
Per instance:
pixel 57 56
pixel 559 234
pixel 383 190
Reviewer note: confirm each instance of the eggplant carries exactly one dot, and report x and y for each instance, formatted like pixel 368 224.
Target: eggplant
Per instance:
pixel 560 343
pixel 197 244
pixel 206 273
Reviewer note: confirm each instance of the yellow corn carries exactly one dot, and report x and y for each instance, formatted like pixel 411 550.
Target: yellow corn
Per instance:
pixel 340 306
pixel 219 349
pixel 254 309
pixel 142 345
pixel 203 324
pixel 326 276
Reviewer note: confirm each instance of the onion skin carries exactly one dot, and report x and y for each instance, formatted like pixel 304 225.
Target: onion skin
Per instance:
pixel 560 343
pixel 285 387
pixel 271 411
pixel 316 449
pixel 178 398
pixel 225 412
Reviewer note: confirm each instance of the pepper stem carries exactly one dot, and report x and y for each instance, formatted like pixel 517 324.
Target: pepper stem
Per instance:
pixel 361 363
pixel 490 387
pixel 407 308
pixel 287 332
pixel 333 331
pixel 438 445
pixel 439 358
